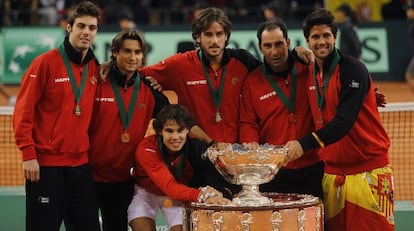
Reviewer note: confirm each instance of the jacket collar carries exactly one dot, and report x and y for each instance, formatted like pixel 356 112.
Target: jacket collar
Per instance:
pixel 328 60
pixel 224 60
pixel 76 56
pixel 121 79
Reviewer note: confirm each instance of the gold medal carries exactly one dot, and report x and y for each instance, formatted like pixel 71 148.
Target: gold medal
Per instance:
pixel 77 110
pixel 168 202
pixel 292 118
pixel 217 117
pixel 125 138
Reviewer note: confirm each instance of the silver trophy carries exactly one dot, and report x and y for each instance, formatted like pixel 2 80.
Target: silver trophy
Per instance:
pixel 248 168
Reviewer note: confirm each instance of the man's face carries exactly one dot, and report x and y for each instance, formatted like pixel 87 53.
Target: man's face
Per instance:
pixel 173 136
pixel 321 41
pixel 212 41
pixel 83 32
pixel 275 49
pixel 129 57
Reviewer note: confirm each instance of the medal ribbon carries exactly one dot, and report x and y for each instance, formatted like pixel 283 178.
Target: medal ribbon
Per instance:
pixel 217 95
pixel 321 98
pixel 76 91
pixel 179 169
pixel 125 117
pixel 289 103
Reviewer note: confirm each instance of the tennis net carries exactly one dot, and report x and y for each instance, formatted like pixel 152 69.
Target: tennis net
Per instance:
pixel 397 118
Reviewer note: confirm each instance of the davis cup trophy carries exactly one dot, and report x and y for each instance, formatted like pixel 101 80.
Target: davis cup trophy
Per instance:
pixel 251 210
pixel 248 168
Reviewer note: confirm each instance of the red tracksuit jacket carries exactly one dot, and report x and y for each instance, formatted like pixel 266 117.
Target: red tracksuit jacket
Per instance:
pixel 44 124
pixel 110 159
pixel 154 175
pixel 352 130
pixel 184 74
pixel 265 119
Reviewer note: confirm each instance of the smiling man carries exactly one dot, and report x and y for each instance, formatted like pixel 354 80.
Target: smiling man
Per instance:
pixel 164 169
pixel 358 181
pixel 51 119
pixel 123 107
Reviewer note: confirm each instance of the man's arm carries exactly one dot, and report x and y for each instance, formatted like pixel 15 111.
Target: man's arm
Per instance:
pixel 303 55
pixel 197 132
pixel 355 84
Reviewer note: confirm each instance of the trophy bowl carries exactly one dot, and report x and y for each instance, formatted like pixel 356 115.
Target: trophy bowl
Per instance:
pixel 248 168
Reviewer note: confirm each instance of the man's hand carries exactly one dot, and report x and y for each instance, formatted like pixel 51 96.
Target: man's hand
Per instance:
pixel 31 170
pixel 293 151
pixel 104 69
pixel 305 54
pixel 251 145
pixel 381 101
pixel 210 195
pixel 221 146
pixel 218 200
pixel 154 83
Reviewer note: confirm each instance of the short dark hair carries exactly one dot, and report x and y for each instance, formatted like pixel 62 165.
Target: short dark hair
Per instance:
pixel 271 25
pixel 85 8
pixel 132 34
pixel 173 112
pixel 206 18
pixel 320 16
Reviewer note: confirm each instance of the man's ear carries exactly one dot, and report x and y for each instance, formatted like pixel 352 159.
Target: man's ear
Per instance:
pixel 198 39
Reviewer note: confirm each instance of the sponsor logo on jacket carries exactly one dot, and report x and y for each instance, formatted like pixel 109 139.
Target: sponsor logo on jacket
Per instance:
pixel 105 99
pixel 197 82
pixel 62 80
pixel 268 95
pixel 354 84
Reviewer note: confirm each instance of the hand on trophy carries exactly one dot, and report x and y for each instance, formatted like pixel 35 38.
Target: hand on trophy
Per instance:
pixel 221 146
pixel 251 146
pixel 293 151
pixel 210 195
pixel 215 148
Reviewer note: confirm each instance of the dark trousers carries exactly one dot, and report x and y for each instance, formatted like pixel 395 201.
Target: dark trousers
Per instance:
pixel 62 194
pixel 113 201
pixel 306 180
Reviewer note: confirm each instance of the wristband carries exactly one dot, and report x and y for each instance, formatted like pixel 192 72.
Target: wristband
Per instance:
pixel 213 142
pixel 320 142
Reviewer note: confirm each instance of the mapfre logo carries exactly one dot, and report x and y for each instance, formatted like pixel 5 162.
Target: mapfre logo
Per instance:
pixel 268 95
pixel 62 80
pixel 104 99
pixel 196 82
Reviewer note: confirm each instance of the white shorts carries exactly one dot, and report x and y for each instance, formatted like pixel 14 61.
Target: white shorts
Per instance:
pixel 146 204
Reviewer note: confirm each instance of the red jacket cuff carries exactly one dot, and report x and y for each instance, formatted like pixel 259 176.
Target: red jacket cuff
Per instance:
pixel 29 153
